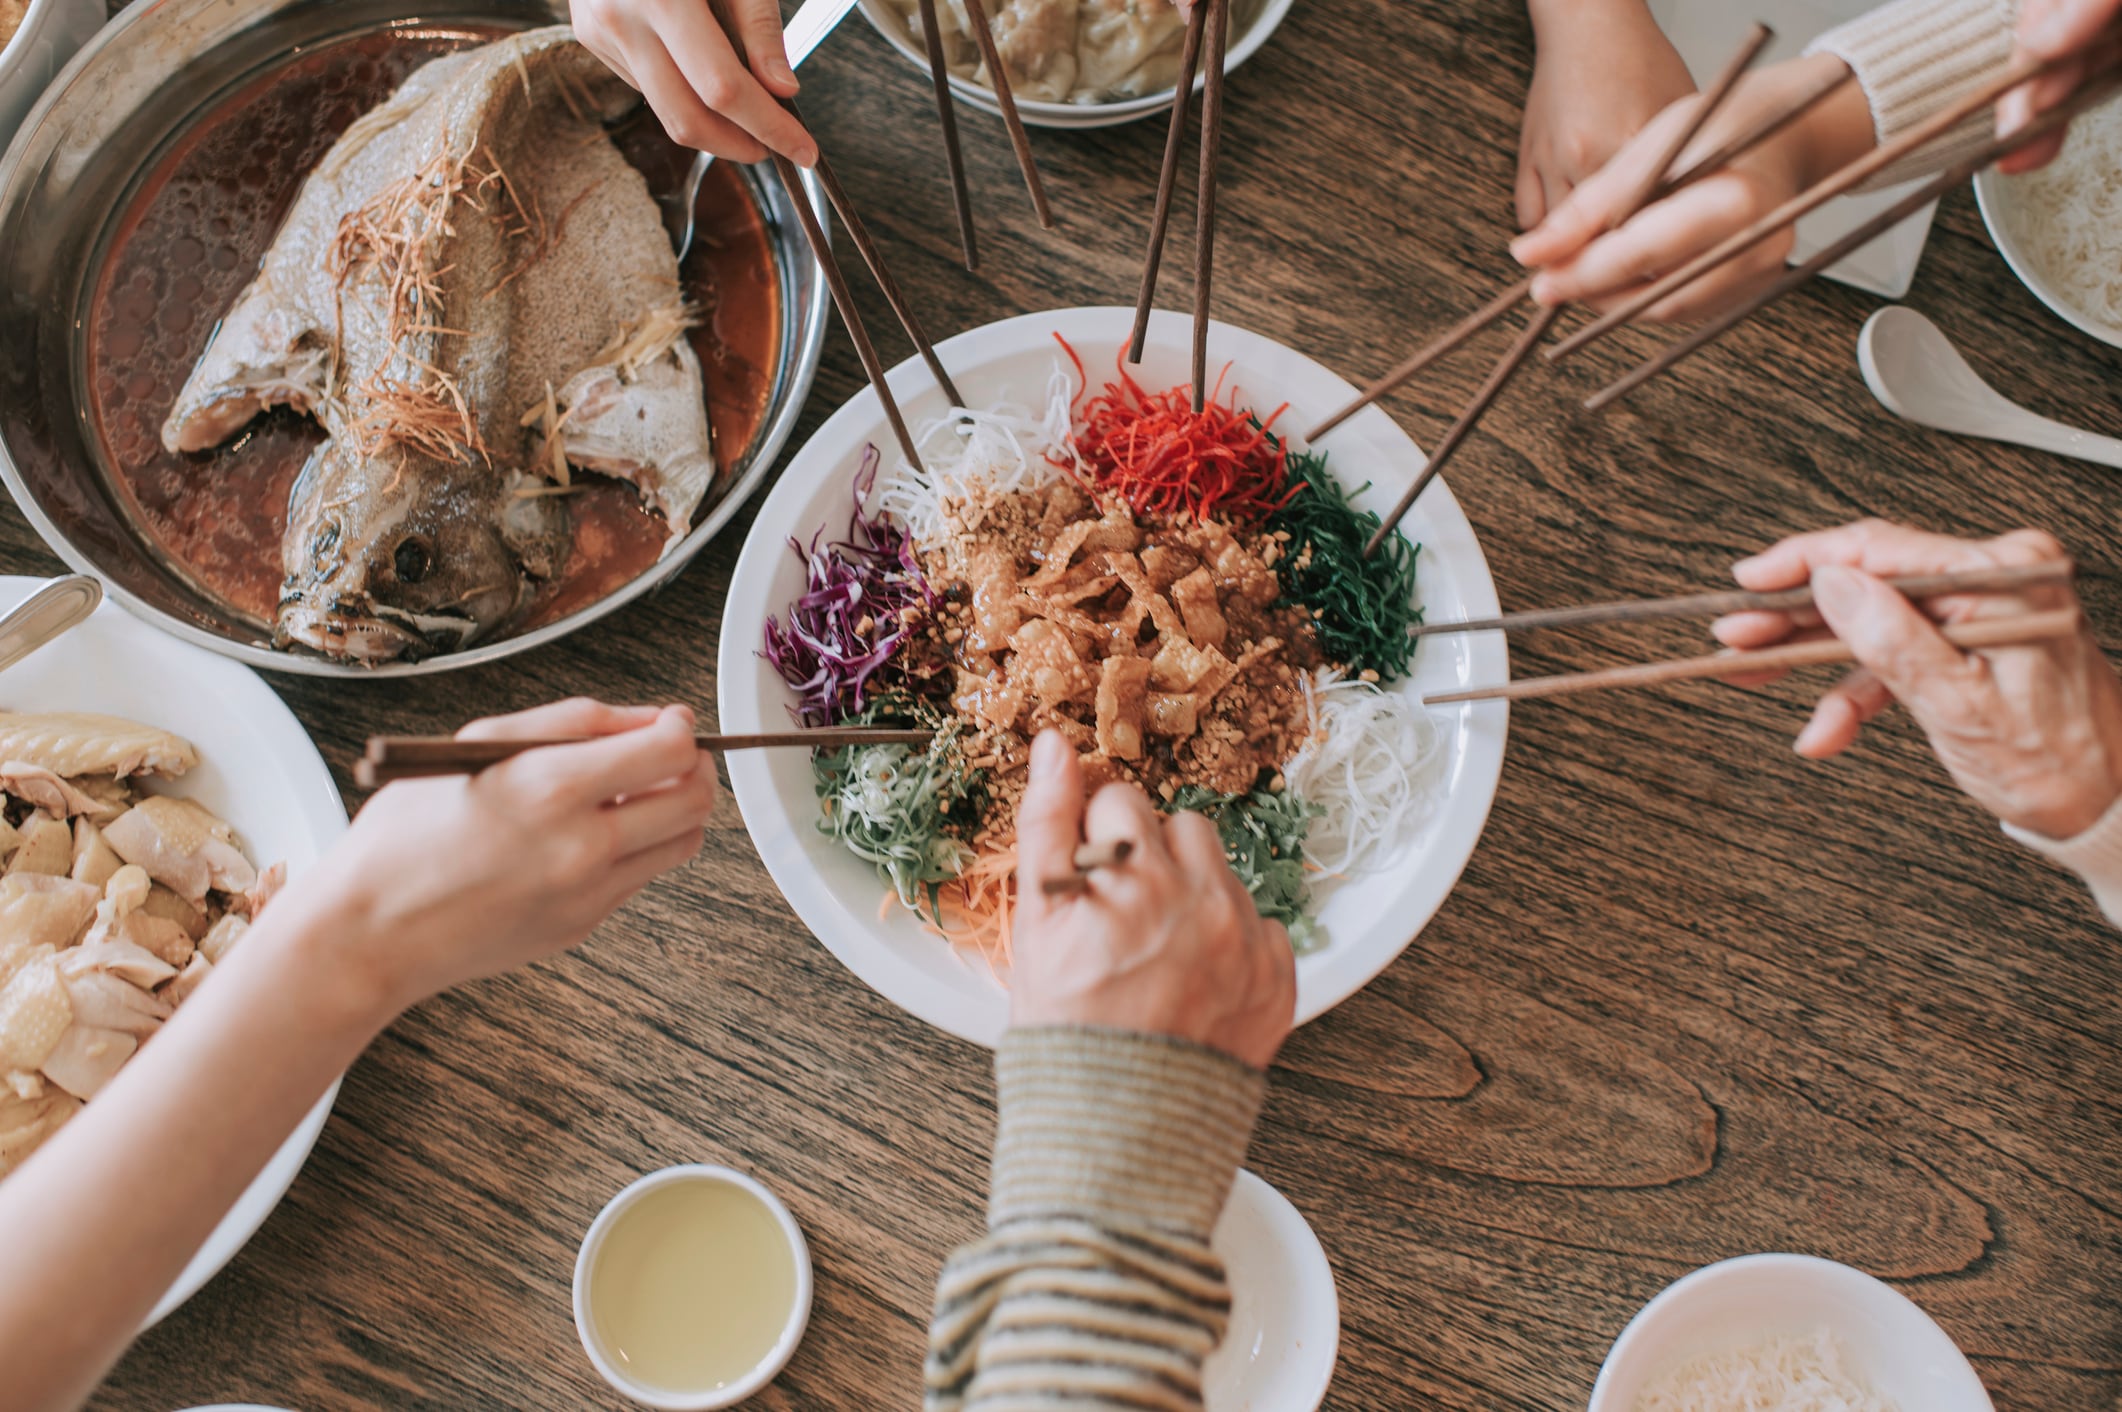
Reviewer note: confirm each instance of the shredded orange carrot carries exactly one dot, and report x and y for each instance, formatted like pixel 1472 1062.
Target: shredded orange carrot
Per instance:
pixel 978 909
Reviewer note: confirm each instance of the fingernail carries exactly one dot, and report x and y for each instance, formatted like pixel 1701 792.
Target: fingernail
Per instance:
pixel 1049 755
pixel 1517 247
pixel 1809 737
pixel 1837 592
pixel 1747 565
pixel 783 72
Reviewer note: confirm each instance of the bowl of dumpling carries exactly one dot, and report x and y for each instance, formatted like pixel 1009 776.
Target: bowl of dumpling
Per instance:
pixel 153 795
pixel 1072 63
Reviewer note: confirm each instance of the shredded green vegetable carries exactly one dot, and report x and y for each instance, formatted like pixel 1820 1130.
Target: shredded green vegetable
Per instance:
pixel 1364 606
pixel 1263 838
pixel 902 810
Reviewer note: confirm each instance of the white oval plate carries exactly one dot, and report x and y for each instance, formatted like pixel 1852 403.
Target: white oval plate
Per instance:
pixel 257 769
pixel 1369 920
pixel 1285 1319
pixel 1891 1343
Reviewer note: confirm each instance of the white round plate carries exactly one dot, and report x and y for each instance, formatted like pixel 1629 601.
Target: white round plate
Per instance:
pixel 1285 1319
pixel 257 769
pixel 1889 1341
pixel 1036 113
pixel 1368 920
pixel 1998 197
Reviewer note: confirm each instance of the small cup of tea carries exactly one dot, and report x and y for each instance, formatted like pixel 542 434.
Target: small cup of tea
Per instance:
pixel 692 1289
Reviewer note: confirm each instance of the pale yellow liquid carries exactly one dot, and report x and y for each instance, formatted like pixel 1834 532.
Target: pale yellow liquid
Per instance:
pixel 693 1286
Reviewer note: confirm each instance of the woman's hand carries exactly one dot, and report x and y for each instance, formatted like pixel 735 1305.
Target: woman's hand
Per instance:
pixel 1585 253
pixel 1167 943
pixel 2049 29
pixel 1603 70
pixel 443 880
pixel 2032 733
pixel 683 63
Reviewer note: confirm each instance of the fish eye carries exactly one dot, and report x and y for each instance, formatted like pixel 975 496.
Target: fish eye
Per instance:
pixel 412 559
pixel 325 540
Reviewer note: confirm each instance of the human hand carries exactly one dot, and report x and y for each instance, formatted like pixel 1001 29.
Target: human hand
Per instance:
pixel 680 59
pixel 2033 733
pixel 1585 253
pixel 1167 943
pixel 444 880
pixel 2049 29
pixel 1603 69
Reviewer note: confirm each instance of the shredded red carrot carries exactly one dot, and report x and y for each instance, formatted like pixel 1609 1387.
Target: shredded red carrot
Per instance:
pixel 1165 460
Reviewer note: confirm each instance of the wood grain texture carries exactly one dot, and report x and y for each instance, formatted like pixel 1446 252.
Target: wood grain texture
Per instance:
pixel 1693 997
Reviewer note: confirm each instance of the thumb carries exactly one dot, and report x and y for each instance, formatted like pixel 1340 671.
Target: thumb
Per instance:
pixel 1900 646
pixel 1050 818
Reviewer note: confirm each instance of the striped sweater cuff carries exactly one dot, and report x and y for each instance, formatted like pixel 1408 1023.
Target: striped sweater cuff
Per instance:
pixel 1914 57
pixel 2095 856
pixel 1118 1128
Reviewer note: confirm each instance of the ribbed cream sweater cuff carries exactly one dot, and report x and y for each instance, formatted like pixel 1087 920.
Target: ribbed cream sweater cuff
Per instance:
pixel 2095 856
pixel 1118 1127
pixel 1914 57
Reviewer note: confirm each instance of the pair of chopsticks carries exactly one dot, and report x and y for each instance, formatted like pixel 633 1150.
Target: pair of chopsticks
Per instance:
pixel 947 119
pixel 1089 857
pixel 1659 180
pixel 843 296
pixel 410 757
pixel 1207 26
pixel 1986 632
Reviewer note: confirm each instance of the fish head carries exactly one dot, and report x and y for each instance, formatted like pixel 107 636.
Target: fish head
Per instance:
pixel 398 555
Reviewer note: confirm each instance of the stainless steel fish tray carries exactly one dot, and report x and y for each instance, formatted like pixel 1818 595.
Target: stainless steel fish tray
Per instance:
pixel 64 183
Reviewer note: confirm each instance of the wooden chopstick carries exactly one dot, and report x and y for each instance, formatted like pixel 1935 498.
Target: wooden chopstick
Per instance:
pixel 947 119
pixel 1537 326
pixel 1508 299
pixel 1216 41
pixel 1167 176
pixel 1719 602
pixel 874 258
pixel 405 757
pixel 1916 200
pixel 998 79
pixel 1985 632
pixel 1089 856
pixel 1819 194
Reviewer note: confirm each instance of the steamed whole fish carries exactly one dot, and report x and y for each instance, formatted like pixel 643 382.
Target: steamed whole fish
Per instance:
pixel 473 290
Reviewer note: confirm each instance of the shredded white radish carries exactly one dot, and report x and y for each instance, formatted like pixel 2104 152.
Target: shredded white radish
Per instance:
pixel 1374 765
pixel 973 457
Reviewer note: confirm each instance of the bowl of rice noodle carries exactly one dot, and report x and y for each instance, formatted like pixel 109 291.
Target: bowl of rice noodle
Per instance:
pixel 2060 228
pixel 1072 63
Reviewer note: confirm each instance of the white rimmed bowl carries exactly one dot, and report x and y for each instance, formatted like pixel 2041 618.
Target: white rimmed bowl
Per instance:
pixel 791 1333
pixel 257 769
pixel 2001 200
pixel 1890 1342
pixel 51 31
pixel 1368 920
pixel 1285 1318
pixel 1035 113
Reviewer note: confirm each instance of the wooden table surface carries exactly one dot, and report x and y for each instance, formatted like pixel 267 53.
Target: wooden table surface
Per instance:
pixel 1693 998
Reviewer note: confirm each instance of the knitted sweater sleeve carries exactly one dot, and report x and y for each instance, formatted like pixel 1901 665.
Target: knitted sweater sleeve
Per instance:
pixel 2095 856
pixel 1095 1288
pixel 1913 58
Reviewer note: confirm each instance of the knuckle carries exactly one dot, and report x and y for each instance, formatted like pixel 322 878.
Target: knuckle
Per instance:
pixel 720 90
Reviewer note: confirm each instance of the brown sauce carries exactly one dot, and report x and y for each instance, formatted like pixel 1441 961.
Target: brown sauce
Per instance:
pixel 192 238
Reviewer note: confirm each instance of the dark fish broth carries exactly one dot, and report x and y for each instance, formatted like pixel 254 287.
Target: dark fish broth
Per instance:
pixel 193 235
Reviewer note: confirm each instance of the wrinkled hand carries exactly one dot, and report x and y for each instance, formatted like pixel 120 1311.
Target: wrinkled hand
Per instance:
pixel 444 880
pixel 2032 733
pixel 1168 942
pixel 1603 70
pixel 680 59
pixel 2049 29
pixel 1586 254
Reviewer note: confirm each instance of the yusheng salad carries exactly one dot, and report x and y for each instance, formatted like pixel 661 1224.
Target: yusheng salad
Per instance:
pixel 1181 595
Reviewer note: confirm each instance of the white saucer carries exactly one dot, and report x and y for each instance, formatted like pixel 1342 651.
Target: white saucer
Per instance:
pixel 1285 1319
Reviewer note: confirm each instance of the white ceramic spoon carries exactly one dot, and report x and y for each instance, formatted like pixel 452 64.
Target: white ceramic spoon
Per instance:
pixel 1913 368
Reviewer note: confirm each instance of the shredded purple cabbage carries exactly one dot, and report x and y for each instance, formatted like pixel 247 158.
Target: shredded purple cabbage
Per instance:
pixel 852 616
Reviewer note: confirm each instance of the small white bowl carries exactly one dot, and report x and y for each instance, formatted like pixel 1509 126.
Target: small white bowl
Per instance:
pixel 1890 1342
pixel 1285 1319
pixel 1035 113
pixel 776 1358
pixel 1997 196
pixel 51 31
